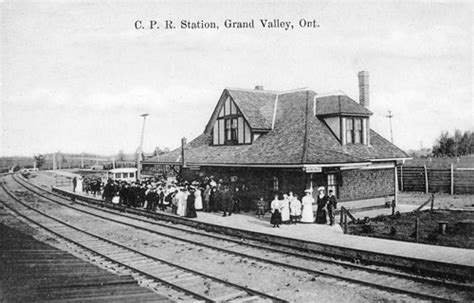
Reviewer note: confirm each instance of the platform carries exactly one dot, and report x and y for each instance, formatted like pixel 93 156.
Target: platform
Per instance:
pixel 32 271
pixel 325 239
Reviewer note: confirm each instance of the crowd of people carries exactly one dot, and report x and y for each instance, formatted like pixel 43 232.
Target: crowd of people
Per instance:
pixel 185 199
pixel 288 209
pixel 182 198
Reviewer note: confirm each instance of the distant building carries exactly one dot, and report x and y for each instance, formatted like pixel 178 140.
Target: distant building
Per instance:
pixel 123 174
pixel 266 141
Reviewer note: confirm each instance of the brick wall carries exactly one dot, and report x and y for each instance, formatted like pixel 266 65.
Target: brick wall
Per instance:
pixel 364 184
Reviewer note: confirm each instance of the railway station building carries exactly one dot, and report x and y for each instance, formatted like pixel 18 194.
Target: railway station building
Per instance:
pixel 266 141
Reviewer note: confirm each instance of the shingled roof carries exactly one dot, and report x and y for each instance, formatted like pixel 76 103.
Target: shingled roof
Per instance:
pixel 298 136
pixel 256 106
pixel 340 104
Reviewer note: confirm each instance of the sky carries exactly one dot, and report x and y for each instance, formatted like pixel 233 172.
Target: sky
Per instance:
pixel 76 76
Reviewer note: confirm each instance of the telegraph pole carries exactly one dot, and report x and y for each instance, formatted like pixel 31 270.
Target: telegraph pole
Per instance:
pixel 389 116
pixel 140 151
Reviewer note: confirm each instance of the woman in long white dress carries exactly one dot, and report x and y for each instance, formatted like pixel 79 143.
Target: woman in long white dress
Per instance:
pixel 182 200
pixel 198 199
pixel 285 209
pixel 307 215
pixel 79 185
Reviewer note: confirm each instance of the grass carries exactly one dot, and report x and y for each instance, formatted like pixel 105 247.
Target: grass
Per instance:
pixel 402 226
pixel 432 162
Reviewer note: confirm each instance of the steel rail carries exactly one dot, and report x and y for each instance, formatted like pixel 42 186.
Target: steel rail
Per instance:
pixel 197 296
pixel 313 271
pixel 218 237
pixel 248 290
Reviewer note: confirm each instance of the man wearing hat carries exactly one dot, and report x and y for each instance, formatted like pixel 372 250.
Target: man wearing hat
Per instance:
pixel 332 205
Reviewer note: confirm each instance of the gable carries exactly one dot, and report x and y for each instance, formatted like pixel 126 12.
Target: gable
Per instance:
pixel 230 127
pixel 256 107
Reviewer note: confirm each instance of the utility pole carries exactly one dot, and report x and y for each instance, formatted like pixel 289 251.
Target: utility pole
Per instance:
pixel 140 149
pixel 389 116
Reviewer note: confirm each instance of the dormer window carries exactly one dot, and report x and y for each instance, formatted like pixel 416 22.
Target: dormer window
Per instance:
pixel 231 131
pixel 230 127
pixel 354 130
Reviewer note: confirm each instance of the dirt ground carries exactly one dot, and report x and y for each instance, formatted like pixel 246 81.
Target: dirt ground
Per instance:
pixel 402 227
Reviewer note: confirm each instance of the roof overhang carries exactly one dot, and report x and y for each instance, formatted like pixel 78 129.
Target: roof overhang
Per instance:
pixel 258 165
pixel 315 168
pixel 344 114
pixel 402 160
pixel 162 163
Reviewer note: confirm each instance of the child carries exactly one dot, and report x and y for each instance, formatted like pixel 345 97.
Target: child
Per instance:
pixel 276 218
pixel 261 208
pixel 295 209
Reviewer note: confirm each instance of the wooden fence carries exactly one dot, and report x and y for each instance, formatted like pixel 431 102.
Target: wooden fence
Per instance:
pixel 436 180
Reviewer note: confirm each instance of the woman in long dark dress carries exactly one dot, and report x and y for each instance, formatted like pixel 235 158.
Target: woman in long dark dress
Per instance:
pixel 275 207
pixel 322 200
pixel 190 208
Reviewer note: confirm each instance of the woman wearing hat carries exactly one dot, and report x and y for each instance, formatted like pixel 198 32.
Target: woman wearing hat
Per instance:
pixel 198 195
pixel 285 209
pixel 191 200
pixel 307 213
pixel 322 200
pixel 276 210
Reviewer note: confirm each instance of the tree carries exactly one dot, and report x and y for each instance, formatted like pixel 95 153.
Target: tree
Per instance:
pixel 452 146
pixel 464 145
pixel 39 159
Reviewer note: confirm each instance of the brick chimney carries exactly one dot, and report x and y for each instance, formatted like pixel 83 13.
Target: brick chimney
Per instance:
pixel 259 87
pixel 364 88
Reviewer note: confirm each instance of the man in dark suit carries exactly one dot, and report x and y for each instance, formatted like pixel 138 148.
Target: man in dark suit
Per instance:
pixel 332 205
pixel 74 184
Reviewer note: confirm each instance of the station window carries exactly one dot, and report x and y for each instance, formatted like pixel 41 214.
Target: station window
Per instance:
pixel 231 130
pixel 118 175
pixel 354 129
pixel 332 184
pixel 132 175
pixel 349 130
pixel 357 131
pixel 275 183
pixel 125 175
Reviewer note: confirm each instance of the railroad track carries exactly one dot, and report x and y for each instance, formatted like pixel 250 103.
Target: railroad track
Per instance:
pixel 415 286
pixel 194 284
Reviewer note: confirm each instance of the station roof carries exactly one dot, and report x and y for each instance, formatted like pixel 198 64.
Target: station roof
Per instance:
pixel 298 136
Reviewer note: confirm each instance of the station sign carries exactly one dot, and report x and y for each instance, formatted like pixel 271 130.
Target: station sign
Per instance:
pixel 313 169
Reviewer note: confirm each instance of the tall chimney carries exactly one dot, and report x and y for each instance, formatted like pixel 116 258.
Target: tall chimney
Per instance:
pixel 364 88
pixel 259 87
